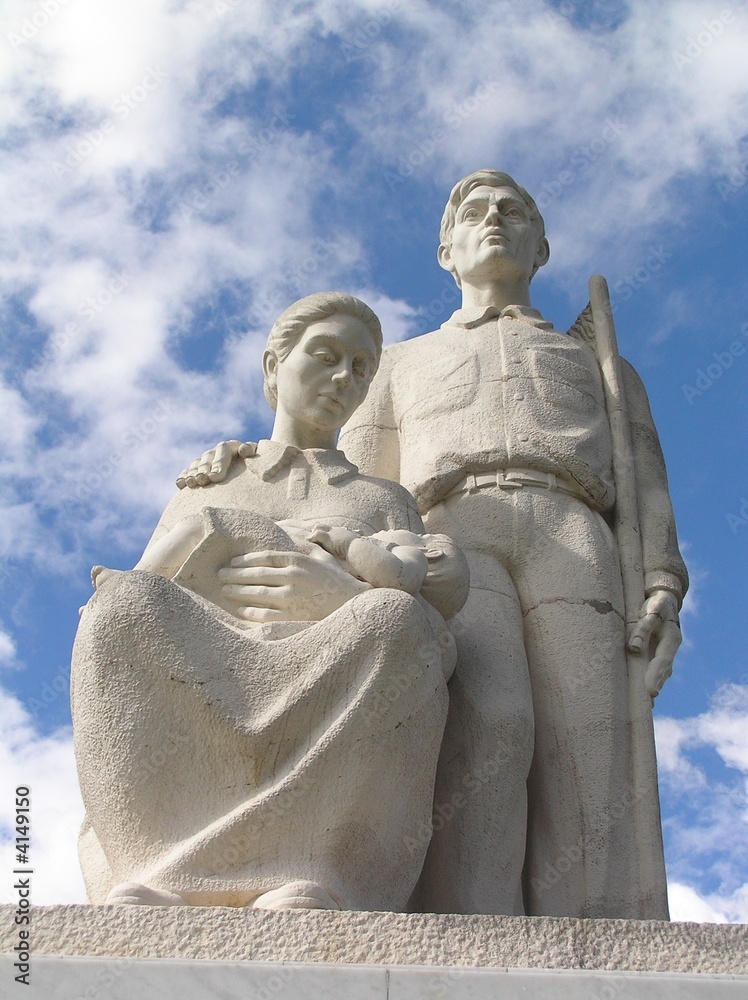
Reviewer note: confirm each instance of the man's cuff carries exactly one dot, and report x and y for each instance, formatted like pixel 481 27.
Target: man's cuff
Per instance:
pixel 662 580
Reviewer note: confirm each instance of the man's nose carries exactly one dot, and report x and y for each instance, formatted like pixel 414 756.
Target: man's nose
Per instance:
pixel 493 215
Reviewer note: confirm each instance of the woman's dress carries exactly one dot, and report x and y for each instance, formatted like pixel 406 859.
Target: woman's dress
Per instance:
pixel 220 759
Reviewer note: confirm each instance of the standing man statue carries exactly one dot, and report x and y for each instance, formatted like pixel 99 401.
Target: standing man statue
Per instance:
pixel 498 426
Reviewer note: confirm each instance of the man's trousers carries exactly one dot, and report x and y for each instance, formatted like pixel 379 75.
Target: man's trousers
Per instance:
pixel 532 807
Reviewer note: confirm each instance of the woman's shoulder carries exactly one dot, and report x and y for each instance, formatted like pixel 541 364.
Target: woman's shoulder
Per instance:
pixel 233 492
pixel 396 503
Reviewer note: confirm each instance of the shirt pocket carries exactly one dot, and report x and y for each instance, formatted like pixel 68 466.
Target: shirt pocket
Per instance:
pixel 558 377
pixel 447 385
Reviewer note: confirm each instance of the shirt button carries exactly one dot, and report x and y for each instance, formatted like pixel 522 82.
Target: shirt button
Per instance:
pixel 519 395
pixel 523 437
pixel 516 361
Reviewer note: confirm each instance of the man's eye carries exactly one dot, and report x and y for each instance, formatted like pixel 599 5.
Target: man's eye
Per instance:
pixel 361 369
pixel 471 213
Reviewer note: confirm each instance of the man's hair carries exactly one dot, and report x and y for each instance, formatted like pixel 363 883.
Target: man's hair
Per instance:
pixel 292 323
pixel 488 178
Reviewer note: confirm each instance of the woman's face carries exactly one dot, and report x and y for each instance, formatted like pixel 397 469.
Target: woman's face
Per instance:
pixel 327 374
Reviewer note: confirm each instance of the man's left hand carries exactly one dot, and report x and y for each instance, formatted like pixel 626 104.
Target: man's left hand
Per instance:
pixel 658 627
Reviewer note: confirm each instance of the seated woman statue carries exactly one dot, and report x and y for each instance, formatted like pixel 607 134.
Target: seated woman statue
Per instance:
pixel 258 706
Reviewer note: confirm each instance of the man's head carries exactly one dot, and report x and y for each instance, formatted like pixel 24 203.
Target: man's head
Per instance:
pixel 521 210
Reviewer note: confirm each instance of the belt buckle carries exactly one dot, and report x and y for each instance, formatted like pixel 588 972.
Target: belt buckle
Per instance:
pixel 506 484
pixel 540 480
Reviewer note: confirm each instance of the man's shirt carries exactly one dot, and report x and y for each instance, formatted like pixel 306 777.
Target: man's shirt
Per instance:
pixel 493 391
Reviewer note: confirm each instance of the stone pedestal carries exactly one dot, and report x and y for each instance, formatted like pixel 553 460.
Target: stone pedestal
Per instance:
pixel 131 953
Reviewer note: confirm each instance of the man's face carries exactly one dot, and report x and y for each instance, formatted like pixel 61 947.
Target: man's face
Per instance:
pixel 493 238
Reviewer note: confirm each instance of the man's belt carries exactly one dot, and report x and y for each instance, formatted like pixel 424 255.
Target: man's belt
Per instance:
pixel 515 479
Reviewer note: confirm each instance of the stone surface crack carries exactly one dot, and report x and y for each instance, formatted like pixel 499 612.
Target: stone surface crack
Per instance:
pixel 602 607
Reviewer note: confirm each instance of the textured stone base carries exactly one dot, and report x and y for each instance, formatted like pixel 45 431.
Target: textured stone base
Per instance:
pixel 390 939
pixel 56 978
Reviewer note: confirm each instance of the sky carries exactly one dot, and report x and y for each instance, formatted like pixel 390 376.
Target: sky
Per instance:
pixel 176 173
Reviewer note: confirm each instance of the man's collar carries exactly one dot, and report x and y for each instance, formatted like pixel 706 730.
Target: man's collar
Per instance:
pixel 477 315
pixel 272 457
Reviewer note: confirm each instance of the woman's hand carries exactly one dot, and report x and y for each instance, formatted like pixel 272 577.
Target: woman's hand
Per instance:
pixel 287 586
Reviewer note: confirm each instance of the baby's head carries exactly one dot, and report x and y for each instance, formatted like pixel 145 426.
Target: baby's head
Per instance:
pixel 448 574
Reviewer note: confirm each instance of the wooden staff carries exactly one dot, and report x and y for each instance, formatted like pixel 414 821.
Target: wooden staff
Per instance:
pixel 646 805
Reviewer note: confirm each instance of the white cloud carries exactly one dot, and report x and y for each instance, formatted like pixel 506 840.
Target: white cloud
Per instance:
pixel 703 763
pixel 478 94
pixel 133 199
pixel 7 648
pixel 687 905
pixel 44 764
pixel 120 159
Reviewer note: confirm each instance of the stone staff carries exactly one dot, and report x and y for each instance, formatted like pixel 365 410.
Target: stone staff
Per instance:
pixel 646 804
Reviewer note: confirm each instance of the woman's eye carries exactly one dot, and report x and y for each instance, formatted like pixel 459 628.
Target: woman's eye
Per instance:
pixel 361 369
pixel 326 357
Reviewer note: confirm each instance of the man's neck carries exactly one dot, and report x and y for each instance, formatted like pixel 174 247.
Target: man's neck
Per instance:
pixel 497 295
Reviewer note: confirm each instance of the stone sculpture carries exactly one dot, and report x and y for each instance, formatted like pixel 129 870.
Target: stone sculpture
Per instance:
pixel 244 741
pixel 500 427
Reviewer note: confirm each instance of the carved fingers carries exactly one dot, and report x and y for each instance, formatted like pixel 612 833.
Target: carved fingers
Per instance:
pixel 287 586
pixel 658 626
pixel 661 665
pixel 214 464
pixel 661 606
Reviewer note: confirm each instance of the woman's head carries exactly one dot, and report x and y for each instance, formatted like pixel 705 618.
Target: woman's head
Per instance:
pixel 293 322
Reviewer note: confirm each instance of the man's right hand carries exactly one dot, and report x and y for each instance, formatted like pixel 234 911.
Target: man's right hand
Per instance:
pixel 213 464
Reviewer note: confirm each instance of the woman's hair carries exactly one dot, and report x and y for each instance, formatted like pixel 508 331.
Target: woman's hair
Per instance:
pixel 290 326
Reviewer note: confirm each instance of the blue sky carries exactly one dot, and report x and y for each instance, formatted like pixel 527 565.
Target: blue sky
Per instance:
pixel 177 172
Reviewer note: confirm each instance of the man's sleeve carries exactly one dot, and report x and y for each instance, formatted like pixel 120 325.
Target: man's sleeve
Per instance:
pixel 370 438
pixel 663 563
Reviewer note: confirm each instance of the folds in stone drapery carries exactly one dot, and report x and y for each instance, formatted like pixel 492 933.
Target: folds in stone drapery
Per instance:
pixel 218 760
